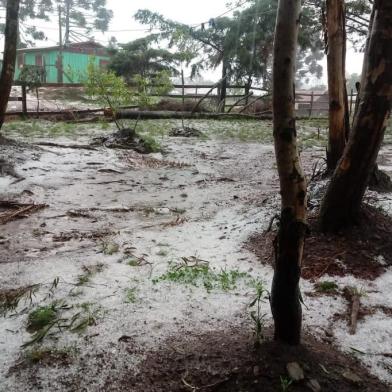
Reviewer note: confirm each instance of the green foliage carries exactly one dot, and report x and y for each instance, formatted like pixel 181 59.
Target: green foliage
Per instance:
pixel 112 90
pixel 42 317
pixel 140 57
pixel 32 76
pixel 151 143
pixel 56 318
pixel 327 287
pixel 255 314
pixel 86 317
pixel 243 43
pixel 201 275
pixel 130 295
pixel 285 383
pixel 108 88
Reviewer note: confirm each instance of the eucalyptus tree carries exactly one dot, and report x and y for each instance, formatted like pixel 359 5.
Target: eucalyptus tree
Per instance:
pixel 285 292
pixel 10 44
pixel 344 196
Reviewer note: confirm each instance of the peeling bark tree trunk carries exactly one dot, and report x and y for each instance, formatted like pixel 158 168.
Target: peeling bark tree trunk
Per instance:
pixel 285 292
pixel 338 100
pixel 343 199
pixel 10 42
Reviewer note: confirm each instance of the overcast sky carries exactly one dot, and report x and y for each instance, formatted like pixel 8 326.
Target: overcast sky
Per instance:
pixel 125 28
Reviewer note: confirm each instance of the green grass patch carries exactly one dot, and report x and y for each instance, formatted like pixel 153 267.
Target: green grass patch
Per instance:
pixel 326 287
pixel 42 317
pixel 201 275
pixel 59 317
pixel 130 295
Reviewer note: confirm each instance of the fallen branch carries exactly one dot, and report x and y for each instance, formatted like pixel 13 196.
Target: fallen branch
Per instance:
pixel 21 211
pixel 240 100
pixel 71 146
pixel 207 94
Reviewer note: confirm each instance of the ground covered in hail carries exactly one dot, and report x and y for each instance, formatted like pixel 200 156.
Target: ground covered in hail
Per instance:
pixel 122 271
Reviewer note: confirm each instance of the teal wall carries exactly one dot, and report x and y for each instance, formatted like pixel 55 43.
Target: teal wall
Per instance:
pixel 74 65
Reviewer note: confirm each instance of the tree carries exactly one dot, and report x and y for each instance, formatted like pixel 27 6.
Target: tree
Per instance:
pixel 214 40
pixel 10 42
pixel 343 199
pixel 352 81
pixel 241 45
pixel 336 64
pixel 139 57
pixel 77 18
pixel 285 292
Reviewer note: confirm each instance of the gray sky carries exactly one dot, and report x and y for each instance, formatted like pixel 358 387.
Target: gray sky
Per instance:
pixel 125 28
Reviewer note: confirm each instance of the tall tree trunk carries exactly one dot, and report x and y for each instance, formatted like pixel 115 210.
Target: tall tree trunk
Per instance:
pixel 67 22
pixel 59 63
pixel 338 101
pixel 223 87
pixel 343 199
pixel 285 292
pixel 9 58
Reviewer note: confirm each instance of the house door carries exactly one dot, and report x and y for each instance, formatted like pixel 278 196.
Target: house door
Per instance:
pixel 38 60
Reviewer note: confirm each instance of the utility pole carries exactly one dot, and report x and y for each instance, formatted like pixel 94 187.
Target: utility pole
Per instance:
pixel 60 55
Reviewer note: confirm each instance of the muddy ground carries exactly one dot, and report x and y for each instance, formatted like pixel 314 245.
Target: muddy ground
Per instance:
pixel 106 252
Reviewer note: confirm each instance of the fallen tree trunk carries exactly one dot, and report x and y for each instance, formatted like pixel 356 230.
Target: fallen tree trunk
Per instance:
pixel 150 115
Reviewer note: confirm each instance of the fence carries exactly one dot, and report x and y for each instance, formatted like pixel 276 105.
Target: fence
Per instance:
pixel 239 99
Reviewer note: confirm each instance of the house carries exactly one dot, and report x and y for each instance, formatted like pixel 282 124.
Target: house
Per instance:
pixel 66 65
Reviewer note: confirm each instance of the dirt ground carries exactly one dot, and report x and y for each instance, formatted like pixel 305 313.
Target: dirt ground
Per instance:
pixel 113 224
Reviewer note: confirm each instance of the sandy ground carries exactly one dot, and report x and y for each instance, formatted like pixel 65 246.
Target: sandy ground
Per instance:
pixel 121 220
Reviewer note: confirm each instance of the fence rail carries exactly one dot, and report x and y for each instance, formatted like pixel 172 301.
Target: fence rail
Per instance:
pixel 254 100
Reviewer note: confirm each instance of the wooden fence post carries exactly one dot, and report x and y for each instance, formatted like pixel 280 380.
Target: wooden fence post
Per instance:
pixel 24 100
pixel 311 104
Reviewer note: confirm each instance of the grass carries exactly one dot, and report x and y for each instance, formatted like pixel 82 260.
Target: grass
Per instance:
pixel 10 298
pixel 130 295
pixel 37 355
pixel 88 273
pixel 311 132
pixel 326 287
pixel 57 318
pixel 133 263
pixel 42 317
pixel 255 314
pixel 201 275
pixel 109 248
